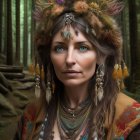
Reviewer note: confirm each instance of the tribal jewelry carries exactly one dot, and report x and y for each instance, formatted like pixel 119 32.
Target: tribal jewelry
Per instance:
pixel 84 135
pixel 72 121
pixel 73 128
pixel 68 19
pixel 99 91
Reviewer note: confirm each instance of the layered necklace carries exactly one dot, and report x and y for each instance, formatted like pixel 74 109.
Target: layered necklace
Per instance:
pixel 72 121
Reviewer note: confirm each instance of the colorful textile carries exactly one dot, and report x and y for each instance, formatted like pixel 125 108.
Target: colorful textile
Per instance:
pixel 127 121
pixel 122 127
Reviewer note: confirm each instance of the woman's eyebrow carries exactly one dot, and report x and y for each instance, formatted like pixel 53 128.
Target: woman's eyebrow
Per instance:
pixel 76 43
pixel 58 42
pixel 83 42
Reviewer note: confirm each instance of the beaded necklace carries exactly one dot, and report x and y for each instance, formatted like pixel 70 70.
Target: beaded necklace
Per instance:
pixel 70 121
pixel 84 136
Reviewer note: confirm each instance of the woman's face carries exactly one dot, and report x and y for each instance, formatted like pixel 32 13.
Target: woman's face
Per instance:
pixel 74 60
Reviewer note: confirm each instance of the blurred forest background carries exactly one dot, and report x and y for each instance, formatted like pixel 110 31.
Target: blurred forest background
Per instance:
pixel 17 28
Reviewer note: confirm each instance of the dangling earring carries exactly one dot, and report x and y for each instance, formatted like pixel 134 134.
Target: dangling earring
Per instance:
pixel 99 91
pixel 48 88
pixel 35 71
pixel 37 81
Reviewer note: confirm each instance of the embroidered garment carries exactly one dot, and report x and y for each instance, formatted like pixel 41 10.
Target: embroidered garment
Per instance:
pixel 127 122
pixel 126 125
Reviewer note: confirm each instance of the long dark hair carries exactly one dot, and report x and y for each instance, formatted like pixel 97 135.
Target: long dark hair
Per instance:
pixel 106 108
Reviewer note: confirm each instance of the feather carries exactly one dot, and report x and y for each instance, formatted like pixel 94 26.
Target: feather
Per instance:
pixel 114 7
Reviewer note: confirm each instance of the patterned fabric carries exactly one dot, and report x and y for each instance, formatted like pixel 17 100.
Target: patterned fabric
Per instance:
pixel 26 124
pixel 127 121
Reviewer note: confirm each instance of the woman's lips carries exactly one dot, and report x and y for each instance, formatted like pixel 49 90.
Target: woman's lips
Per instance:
pixel 71 73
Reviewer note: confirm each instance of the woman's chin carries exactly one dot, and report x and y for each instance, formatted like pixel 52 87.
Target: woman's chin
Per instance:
pixel 73 83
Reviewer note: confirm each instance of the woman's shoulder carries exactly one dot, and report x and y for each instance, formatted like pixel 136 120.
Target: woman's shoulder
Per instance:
pixel 127 115
pixel 122 102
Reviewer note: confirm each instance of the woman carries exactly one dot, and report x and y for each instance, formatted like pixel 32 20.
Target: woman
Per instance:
pixel 80 67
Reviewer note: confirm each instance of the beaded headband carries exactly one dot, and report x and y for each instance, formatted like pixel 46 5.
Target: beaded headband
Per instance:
pixel 68 20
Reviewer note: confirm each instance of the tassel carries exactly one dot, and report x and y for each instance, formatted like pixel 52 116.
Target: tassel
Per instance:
pixel 37 69
pixel 37 91
pixel 31 69
pixel 125 71
pixel 119 75
pixel 115 72
pixel 100 93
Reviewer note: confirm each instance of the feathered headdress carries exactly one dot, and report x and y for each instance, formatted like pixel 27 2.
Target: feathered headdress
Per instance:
pixel 99 10
pixel 98 13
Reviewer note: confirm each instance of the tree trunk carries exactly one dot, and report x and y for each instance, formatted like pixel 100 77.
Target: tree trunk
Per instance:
pixel 1 9
pixel 126 41
pixel 9 34
pixel 25 43
pixel 137 61
pixel 17 59
pixel 133 40
pixel 32 33
pixel 5 27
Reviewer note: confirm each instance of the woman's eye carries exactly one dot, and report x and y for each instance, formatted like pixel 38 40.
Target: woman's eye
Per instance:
pixel 83 48
pixel 59 49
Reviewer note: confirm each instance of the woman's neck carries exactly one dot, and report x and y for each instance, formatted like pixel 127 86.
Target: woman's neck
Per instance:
pixel 76 94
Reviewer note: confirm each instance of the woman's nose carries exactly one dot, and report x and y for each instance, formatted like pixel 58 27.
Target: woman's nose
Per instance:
pixel 70 58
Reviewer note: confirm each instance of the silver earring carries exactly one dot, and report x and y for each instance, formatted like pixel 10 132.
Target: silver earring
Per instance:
pixel 99 92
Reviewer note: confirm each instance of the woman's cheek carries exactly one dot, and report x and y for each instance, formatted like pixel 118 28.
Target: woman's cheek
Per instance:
pixel 57 61
pixel 88 64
